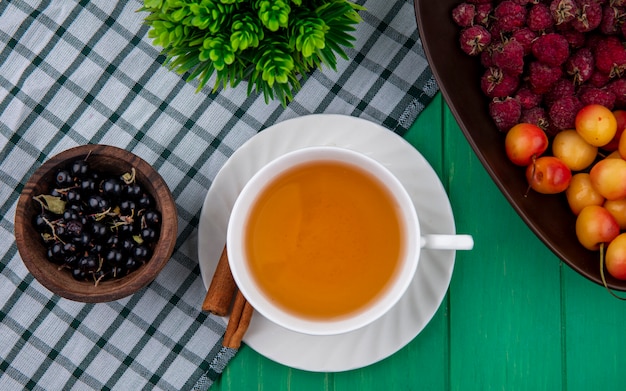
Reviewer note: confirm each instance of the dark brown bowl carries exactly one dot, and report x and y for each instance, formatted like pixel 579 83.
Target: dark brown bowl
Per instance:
pixel 107 159
pixel 458 76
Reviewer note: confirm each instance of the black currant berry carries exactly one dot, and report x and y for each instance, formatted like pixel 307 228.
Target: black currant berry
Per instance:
pixel 113 256
pixel 97 248
pixel 125 230
pixel 88 263
pixel 69 248
pixel 127 207
pixel 83 240
pixel 41 222
pixel 152 218
pixel 149 235
pixel 127 245
pixel 79 274
pixel 145 201
pixel 132 264
pixel 97 203
pixel 78 208
pixel 111 187
pixel 55 252
pixel 113 241
pixel 70 214
pixel 99 231
pixel 74 228
pixel 73 196
pixel 132 191
pixel 63 179
pixel 79 169
pixel 140 253
pixel 88 185
pixel 59 230
pixel 71 261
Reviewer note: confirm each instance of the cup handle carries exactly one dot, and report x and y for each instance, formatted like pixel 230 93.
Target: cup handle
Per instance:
pixel 447 242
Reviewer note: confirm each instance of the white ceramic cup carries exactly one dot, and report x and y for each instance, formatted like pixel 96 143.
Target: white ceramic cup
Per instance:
pixel 409 257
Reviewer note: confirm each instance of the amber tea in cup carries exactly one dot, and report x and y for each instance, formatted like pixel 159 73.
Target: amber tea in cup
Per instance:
pixel 325 240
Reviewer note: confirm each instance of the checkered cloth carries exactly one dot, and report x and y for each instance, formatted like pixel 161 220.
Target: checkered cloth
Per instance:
pixel 77 72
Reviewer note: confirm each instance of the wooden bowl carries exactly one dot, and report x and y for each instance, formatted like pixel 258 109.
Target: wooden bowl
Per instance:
pixel 458 76
pixel 106 159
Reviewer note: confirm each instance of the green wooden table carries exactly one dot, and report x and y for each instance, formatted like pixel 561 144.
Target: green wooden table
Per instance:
pixel 515 316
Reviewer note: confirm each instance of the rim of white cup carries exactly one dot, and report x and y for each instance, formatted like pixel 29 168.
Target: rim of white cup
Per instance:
pixel 259 300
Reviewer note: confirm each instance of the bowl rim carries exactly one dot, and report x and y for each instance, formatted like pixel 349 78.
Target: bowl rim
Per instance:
pixel 110 290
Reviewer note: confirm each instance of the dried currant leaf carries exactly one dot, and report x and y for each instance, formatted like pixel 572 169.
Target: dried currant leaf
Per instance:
pixel 51 203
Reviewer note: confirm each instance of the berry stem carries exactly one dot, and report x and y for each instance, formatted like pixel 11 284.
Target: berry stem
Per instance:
pixel 603 277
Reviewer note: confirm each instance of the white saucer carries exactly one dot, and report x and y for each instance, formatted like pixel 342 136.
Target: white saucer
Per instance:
pixel 406 320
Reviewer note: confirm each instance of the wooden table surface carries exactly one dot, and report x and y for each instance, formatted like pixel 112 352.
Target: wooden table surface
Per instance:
pixel 515 317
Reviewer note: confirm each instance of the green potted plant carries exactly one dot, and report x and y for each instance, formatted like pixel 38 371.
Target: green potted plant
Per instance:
pixel 271 44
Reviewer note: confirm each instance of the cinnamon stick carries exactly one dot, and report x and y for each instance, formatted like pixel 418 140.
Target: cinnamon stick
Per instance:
pixel 238 323
pixel 220 294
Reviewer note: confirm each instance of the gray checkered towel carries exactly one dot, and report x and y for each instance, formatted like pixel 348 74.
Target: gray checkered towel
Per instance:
pixel 77 72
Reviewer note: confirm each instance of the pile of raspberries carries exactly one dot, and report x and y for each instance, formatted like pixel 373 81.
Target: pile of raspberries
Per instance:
pixel 545 59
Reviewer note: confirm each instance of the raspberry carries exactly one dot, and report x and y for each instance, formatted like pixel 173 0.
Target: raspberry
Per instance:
pixel 593 95
pixel 612 20
pixel 539 17
pixel 505 113
pixel 610 56
pixel 525 36
pixel 580 65
pixel 474 39
pixel 562 113
pixel 497 30
pixel 497 84
pixel 536 116
pixel 618 88
pixel 563 11
pixel 483 14
pixel 623 30
pixel 599 79
pixel 551 49
pixel 575 39
pixel 509 56
pixel 510 16
pixel 463 14
pixel 588 16
pixel 541 77
pixel 592 39
pixel 560 89
pixel 486 57
pixel 527 98
pixel 479 1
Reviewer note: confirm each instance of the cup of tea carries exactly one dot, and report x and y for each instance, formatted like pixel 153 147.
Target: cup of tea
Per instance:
pixel 325 240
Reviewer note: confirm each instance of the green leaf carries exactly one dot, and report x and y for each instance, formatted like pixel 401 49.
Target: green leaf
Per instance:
pixel 218 50
pixel 247 32
pixel 274 14
pixel 308 35
pixel 153 4
pixel 179 14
